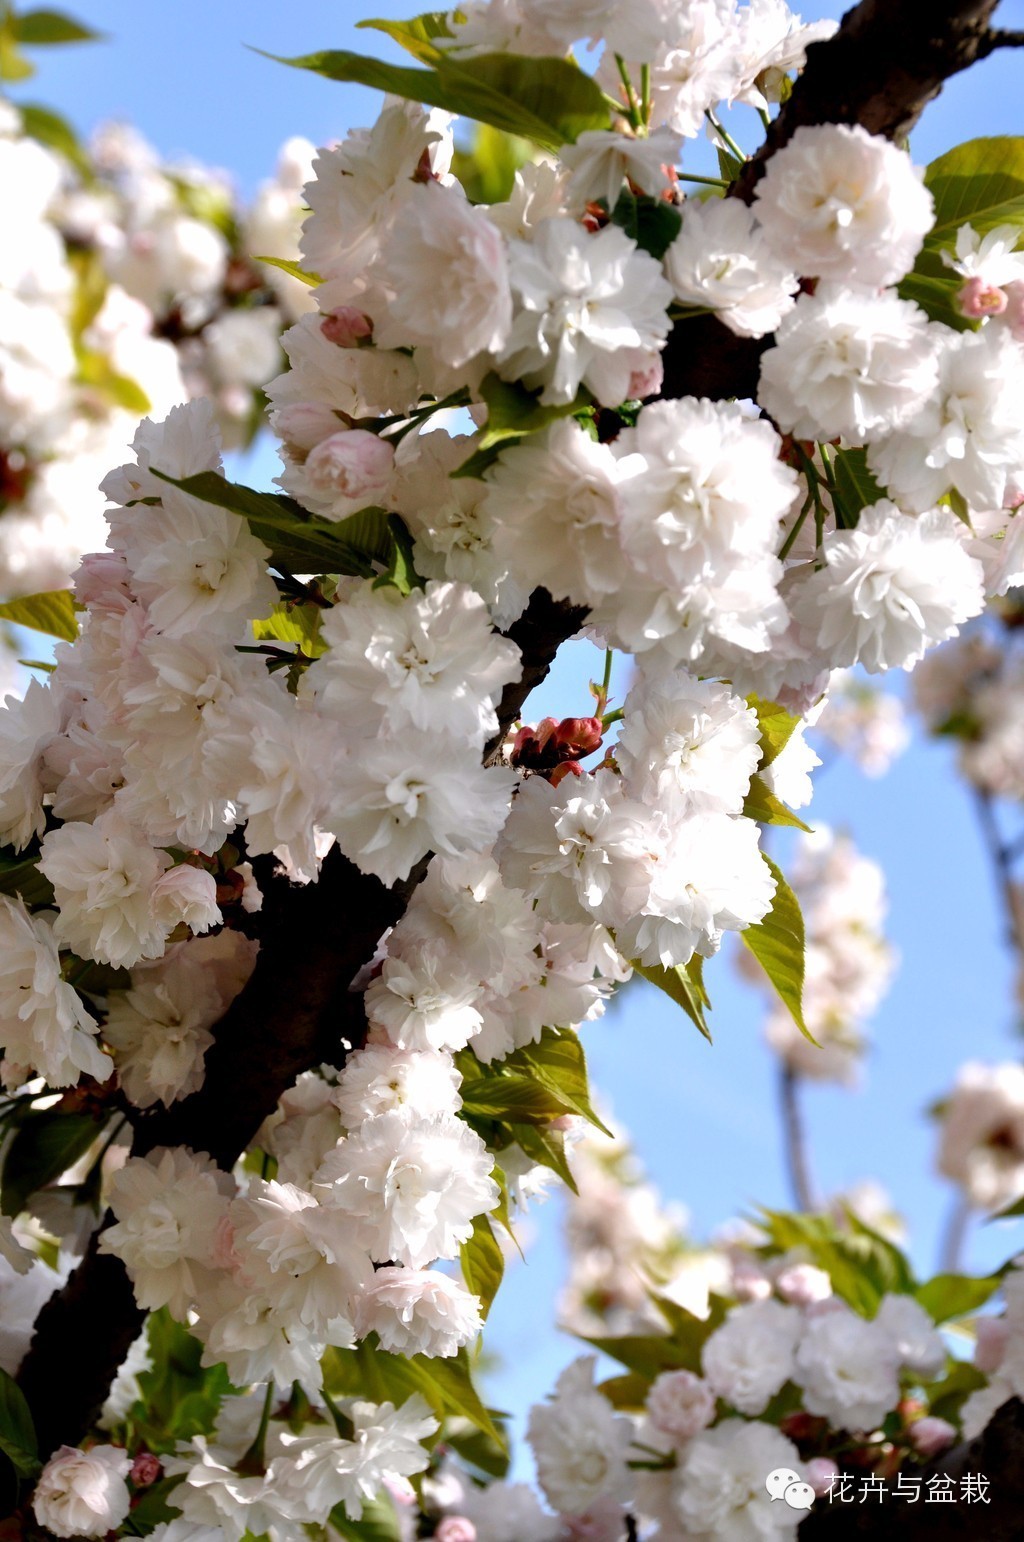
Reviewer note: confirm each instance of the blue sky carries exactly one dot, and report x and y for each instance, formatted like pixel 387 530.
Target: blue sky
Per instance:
pixel 704 1118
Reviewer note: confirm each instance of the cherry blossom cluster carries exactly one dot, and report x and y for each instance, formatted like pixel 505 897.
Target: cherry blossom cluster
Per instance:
pixel 479 407
pixel 130 291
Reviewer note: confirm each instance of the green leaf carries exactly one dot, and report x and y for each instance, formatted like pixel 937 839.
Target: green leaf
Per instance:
pixel 179 1397
pixel 416 36
pixel 14 65
pixel 49 128
pixel 684 983
pixel 17 1432
pixel 513 411
pixel 292 269
pixel 762 804
pixel 863 1265
pixel 777 943
pixel 371 1372
pixel 510 1098
pixel 947 1397
pixel 487 170
pixel 856 488
pixel 980 182
pixel 400 572
pixel 955 1295
pixel 546 1148
pixel 293 623
pixel 21 875
pixel 628 1392
pixel 52 613
pixel 379 1522
pixel 476 1448
pixel 96 370
pixel 557 1061
pixel 483 1263
pixel 46 1144
pixel 300 541
pixel 777 727
pixel 650 222
pixel 156 1504
pixel 550 101
pixel 38 27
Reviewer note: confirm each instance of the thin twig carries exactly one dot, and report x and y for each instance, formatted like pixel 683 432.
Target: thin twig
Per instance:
pixel 1001 855
pixel 795 1141
pixel 951 1251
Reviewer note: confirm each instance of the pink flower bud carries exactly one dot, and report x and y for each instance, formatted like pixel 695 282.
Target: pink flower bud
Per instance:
pixel 354 463
pixel 646 381
pixel 803 1284
pixel 680 1404
pixel 146 1468
pixel 820 1471
pixel 993 1335
pixel 303 425
pixel 456 1528
pixel 931 1436
pixel 530 745
pixel 576 737
pixel 346 326
pixel 977 299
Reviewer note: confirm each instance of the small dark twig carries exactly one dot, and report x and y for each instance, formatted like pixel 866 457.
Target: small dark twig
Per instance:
pixel 795 1140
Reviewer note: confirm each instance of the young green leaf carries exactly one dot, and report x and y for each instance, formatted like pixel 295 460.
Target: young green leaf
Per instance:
pixel 684 983
pixel 300 541
pixel 483 1262
pixel 947 1296
pixel 777 727
pixel 778 944
pixel 52 613
pixel 36 28
pixel 513 411
pixel 21 875
pixel 762 804
pixel 550 101
pixel 292 269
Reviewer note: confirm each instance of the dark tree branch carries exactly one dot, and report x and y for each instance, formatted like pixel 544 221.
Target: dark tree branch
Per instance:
pixel 1000 37
pixel 539 633
pixel 888 60
pixel 997 1454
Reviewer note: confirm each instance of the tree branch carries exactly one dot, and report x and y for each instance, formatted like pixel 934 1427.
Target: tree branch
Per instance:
pixel 997 1454
pixel 795 1140
pixel 1000 37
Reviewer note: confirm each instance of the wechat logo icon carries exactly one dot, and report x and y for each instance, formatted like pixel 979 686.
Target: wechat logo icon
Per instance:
pixel 788 1485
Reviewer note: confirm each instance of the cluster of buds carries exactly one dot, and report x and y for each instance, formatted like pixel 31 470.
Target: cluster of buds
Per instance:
pixel 554 749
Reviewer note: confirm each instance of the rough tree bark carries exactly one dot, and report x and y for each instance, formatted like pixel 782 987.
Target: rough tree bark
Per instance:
pixel 888 60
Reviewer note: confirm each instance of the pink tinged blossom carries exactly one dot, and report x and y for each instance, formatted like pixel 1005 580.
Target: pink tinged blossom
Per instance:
pixel 992 1334
pixel 819 1473
pixel 346 326
pixel 456 1528
pixel 353 462
pixel 186 894
pixel 803 1284
pixel 680 1404
pixel 83 1493
pixel 930 1437
pixel 977 299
